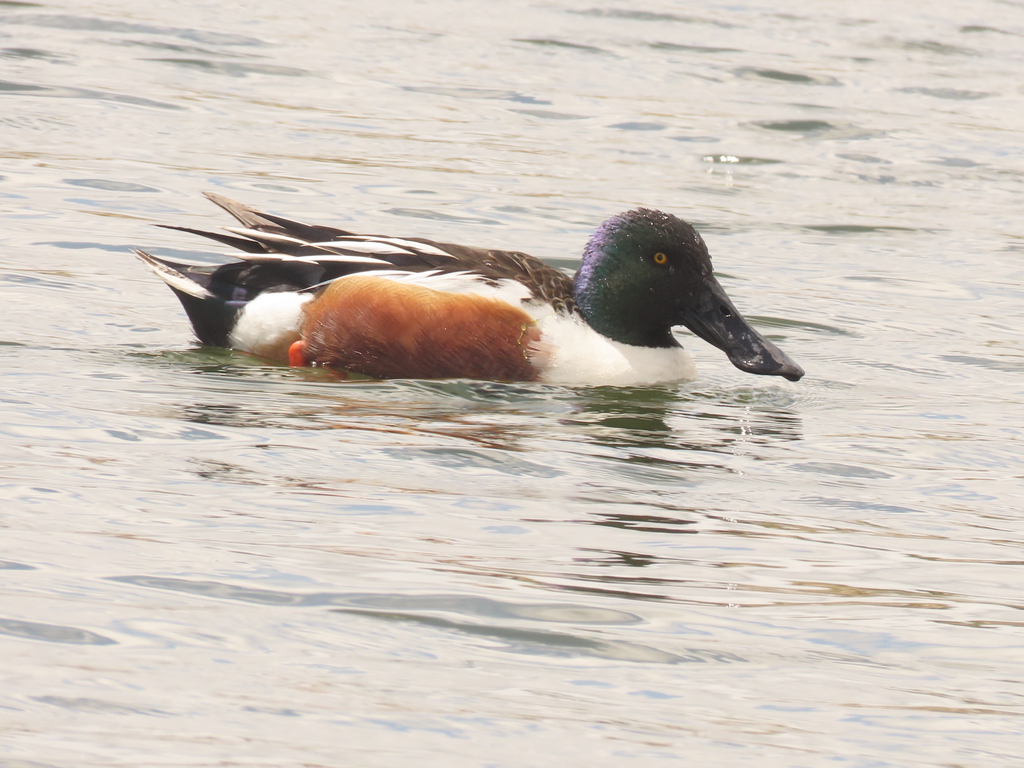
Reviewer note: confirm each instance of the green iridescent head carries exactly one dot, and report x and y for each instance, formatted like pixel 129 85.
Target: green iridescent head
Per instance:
pixel 645 271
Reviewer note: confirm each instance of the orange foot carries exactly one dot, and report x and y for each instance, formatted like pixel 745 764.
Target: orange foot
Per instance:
pixel 297 354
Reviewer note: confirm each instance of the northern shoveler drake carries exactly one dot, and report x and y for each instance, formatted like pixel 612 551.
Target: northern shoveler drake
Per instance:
pixel 388 307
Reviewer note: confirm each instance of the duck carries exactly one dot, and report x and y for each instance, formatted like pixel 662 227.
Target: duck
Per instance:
pixel 410 308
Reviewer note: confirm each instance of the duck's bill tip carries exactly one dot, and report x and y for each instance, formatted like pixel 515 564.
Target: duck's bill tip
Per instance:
pixel 768 360
pixel 794 375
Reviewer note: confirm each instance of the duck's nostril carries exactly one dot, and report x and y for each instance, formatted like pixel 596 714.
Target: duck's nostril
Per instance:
pixel 726 311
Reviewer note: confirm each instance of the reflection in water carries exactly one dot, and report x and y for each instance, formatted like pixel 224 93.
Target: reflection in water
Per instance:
pixel 491 414
pixel 661 417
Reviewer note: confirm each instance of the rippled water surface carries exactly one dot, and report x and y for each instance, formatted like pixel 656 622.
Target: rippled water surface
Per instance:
pixel 210 561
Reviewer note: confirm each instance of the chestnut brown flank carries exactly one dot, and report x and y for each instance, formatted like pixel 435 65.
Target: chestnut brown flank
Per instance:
pixel 391 330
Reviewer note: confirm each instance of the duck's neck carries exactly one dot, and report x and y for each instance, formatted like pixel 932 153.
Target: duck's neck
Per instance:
pixel 616 309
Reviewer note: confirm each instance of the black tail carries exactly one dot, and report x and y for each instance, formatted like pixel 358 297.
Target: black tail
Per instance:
pixel 212 319
pixel 212 313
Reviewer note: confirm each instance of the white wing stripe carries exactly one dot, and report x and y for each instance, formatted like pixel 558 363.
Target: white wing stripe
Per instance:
pixel 397 242
pixel 270 237
pixel 419 247
pixel 364 246
pixel 344 258
pixel 358 243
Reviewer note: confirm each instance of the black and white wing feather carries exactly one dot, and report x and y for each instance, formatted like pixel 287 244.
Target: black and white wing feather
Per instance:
pixel 276 254
pixel 281 254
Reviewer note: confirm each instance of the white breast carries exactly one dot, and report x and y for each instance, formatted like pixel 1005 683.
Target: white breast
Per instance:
pixel 269 324
pixel 579 355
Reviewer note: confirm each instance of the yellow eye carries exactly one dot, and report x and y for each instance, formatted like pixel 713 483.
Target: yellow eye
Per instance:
pixel 660 258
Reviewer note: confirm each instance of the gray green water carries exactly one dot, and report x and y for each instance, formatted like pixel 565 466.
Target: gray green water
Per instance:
pixel 208 561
